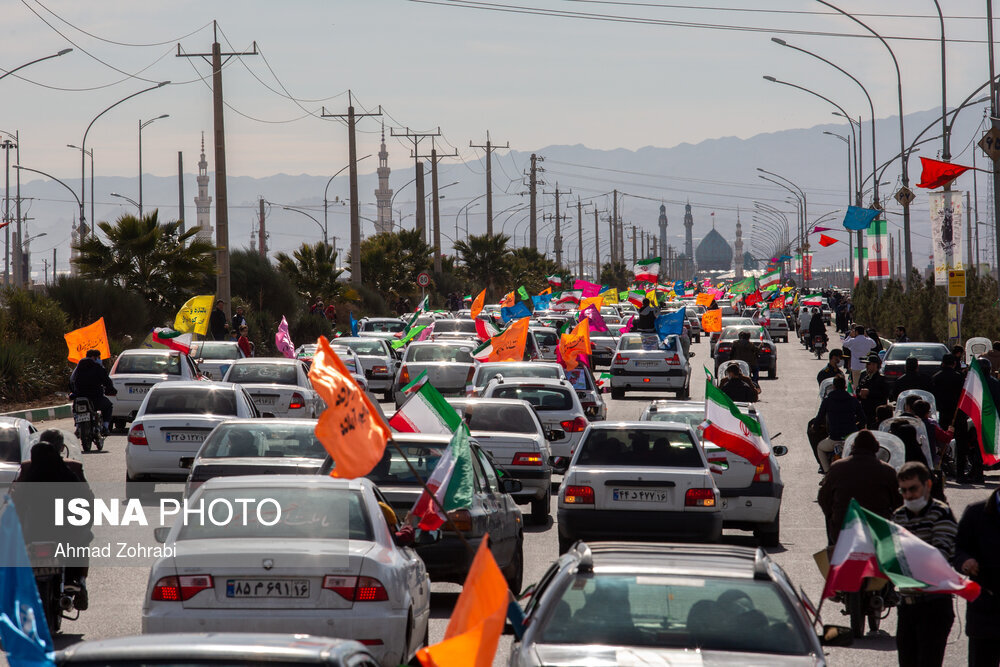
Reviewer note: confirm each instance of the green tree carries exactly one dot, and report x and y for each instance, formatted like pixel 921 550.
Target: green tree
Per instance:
pixel 531 268
pixel 615 274
pixel 313 271
pixel 266 295
pixel 487 261
pixel 148 256
pixel 391 261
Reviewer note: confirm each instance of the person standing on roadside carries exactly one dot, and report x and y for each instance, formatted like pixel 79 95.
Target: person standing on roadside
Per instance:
pixel 239 319
pixel 924 620
pixel 872 390
pixel 977 555
pixel 217 324
pixel 947 387
pixel 901 336
pixel 859 346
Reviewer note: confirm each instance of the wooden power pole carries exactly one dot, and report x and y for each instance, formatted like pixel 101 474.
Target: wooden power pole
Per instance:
pixel 489 147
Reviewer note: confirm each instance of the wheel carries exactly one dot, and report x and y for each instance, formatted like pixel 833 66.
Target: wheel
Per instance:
pixel 49 594
pixel 684 393
pixel 768 535
pixel 541 509
pixel 387 396
pixel 772 372
pixel 85 437
pixel 617 394
pixel 99 441
pixel 514 572
pixel 856 610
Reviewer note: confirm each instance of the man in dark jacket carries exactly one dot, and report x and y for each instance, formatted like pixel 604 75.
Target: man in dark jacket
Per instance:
pixel 816 327
pixel 646 318
pixel 872 389
pixel 744 350
pixel 90 380
pixel 834 366
pixel 217 323
pixel 947 387
pixel 738 386
pixel 863 477
pixel 842 414
pixel 977 555
pixel 911 378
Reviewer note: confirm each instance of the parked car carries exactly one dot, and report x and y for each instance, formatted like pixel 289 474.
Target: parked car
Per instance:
pixel 767 356
pixel 136 371
pixel 17 436
pixel 644 362
pixel 638 481
pixel 214 357
pixel 377 359
pixel 449 367
pixel 328 566
pixel 668 603
pixel 277 385
pixel 488 370
pixel 510 432
pixel 256 447
pixel 928 354
pixel 174 419
pixel 492 510
pixel 774 322
pixel 751 495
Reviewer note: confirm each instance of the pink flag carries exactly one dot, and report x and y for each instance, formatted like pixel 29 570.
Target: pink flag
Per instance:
pixel 283 341
pixel 596 321
pixel 628 325
pixel 823 229
pixel 589 289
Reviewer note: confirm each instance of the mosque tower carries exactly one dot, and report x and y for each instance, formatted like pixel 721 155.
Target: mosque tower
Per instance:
pixel 688 232
pixel 738 247
pixel 383 196
pixel 203 203
pixel 663 230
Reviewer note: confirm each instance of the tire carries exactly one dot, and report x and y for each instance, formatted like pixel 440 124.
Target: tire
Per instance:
pixel 772 372
pixel 768 534
pixel 50 605
pixel 856 610
pixel 514 572
pixel 617 394
pixel 387 397
pixel 541 509
pixel 99 441
pixel 684 393
pixel 85 438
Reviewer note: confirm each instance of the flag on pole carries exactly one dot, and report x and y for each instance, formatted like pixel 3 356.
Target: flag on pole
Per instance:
pixel 858 218
pixel 573 344
pixel 167 338
pixel 567 300
pixel 193 315
pixel 555 282
pixel 647 270
pixel 729 428
pixel 412 333
pixel 827 241
pixel 450 483
pixel 878 250
pixel 635 298
pixel 510 344
pixel 91 337
pixel 977 402
pixel 587 288
pixel 477 305
pixel 937 174
pixel 425 411
pixel 354 324
pixel 870 546
pixel 283 340
pixel 770 278
pixel 744 286
pixel 597 322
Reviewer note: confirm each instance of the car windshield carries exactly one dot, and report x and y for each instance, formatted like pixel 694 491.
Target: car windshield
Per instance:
pixel 648 342
pixel 365 347
pixel 151 364
pixel 541 398
pixel 639 447
pixel 207 400
pixel 498 417
pixel 691 418
pixel 507 369
pixel 214 350
pixel 433 353
pixel 394 469
pixel 263 439
pixel 306 352
pixel 10 445
pixel 462 326
pixel 263 373
pixel 546 337
pixel 920 352
pixel 306 514
pixel 713 614
pixel 384 326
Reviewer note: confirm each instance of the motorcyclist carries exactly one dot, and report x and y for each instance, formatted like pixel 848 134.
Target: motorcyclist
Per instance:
pixel 647 317
pixel 744 350
pixel 862 477
pixel 842 414
pixel 912 378
pixel 817 327
pixel 738 386
pixel 90 380
pixel 804 318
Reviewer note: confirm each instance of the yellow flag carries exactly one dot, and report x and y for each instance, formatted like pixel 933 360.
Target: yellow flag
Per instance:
pixel 610 296
pixel 651 295
pixel 91 337
pixel 193 315
pixel 596 301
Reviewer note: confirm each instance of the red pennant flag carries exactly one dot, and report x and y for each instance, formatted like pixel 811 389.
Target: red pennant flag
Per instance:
pixel 826 241
pixel 824 229
pixel 937 174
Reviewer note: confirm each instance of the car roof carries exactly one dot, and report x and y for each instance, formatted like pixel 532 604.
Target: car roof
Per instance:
pixel 709 560
pixel 270 360
pixel 280 421
pixel 148 350
pixel 194 384
pixel 451 342
pixel 257 481
pixel 660 426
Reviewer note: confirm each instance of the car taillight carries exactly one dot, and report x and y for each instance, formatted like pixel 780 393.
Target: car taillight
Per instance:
pixel 527 459
pixel 762 473
pixel 178 589
pixel 137 435
pixel 579 495
pixel 296 402
pixel 575 426
pixel 380 370
pixel 723 347
pixel 404 376
pixel 893 371
pixel 356 589
pixel 765 348
pixel 42 549
pixel 673 361
pixel 619 360
pixel 699 498
pixel 460 519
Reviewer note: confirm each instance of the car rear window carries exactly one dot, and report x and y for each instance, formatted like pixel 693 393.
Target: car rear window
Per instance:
pixel 502 418
pixel 462 326
pixel 509 370
pixel 541 398
pixel 691 418
pixel 349 360
pixel 713 614
pixel 365 348
pixel 269 440
pixel 639 447
pixel 151 364
pixel 920 352
pixel 10 445
pixel 383 326
pixel 258 373
pixel 214 350
pixel 433 353
pixel 205 400
pixel 546 337
pixel 394 469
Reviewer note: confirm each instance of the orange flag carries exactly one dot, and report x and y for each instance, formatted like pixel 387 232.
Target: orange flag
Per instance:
pixel 703 299
pixel 509 345
pixel 91 337
pixel 508 301
pixel 350 428
pixel 597 302
pixel 477 305
pixel 547 290
pixel 712 320
pixel 476 623
pixel 573 344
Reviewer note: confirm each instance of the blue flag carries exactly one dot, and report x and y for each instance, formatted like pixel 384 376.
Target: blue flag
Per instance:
pixel 542 301
pixel 354 325
pixel 515 312
pixel 670 323
pixel 23 630
pixel 858 218
pixel 784 258
pixel 679 286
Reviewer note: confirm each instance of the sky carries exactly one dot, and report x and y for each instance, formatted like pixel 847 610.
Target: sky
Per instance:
pixel 528 79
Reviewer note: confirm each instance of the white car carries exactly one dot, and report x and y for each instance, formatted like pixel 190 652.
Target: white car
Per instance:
pixel 214 357
pixel 638 481
pixel 278 386
pixel 174 419
pixel 329 566
pixel 17 436
pixel 386 328
pixel 488 370
pixel 449 367
pixel 377 360
pixel 643 362
pixel 547 339
pixel 136 371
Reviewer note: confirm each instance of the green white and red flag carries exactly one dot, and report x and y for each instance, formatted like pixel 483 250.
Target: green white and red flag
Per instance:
pixel 635 298
pixel 770 278
pixel 729 428
pixel 425 411
pixel 164 337
pixel 977 402
pixel 555 282
pixel 450 483
pixel 647 270
pixel 870 546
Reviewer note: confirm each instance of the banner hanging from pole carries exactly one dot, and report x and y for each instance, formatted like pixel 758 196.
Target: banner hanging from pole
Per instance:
pixel 878 251
pixel 946 233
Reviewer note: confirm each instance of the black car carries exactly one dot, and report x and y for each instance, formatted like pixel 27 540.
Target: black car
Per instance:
pixel 928 354
pixel 767 358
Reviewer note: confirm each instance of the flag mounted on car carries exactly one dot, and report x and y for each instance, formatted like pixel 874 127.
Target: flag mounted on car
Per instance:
pixel 729 428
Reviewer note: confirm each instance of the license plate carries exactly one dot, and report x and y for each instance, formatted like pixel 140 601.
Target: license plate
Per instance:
pixel 171 436
pixel 138 389
pixel 640 495
pixel 81 418
pixel 267 588
pixel 647 364
pixel 263 400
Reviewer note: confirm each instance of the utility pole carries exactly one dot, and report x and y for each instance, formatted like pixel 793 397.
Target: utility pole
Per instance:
pixel 633 244
pixel 6 145
pixel 611 240
pixel 435 158
pixel 221 193
pixel 597 247
pixel 617 243
pixel 262 239
pixel 533 192
pixel 415 138
pixel 180 189
pixel 489 147
pixel 352 148
pixel 579 233
pixel 557 242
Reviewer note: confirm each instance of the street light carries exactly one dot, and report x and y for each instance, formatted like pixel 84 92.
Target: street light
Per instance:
pixel 321 226
pixel 71 191
pixel 91 154
pixel 37 60
pixel 129 200
pixel 142 125
pixel 326 190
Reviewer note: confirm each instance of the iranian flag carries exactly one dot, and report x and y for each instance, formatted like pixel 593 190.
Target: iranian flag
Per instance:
pixel 450 484
pixel 164 337
pixel 555 282
pixel 647 270
pixel 870 546
pixel 483 352
pixel 729 428
pixel 977 402
pixel 770 278
pixel 568 300
pixel 635 298
pixel 813 300
pixel 425 411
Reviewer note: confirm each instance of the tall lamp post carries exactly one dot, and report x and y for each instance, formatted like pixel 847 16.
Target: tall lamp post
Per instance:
pixel 797 192
pixel 141 126
pixel 90 154
pixel 71 191
pixel 321 225
pixel 129 200
pixel 326 190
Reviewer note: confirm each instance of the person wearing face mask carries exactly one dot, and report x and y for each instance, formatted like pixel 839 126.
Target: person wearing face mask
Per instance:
pixel 835 366
pixel 924 619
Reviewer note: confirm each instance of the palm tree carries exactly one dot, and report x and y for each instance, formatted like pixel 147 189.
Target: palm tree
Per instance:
pixel 313 270
pixel 149 257
pixel 486 259
pixel 391 261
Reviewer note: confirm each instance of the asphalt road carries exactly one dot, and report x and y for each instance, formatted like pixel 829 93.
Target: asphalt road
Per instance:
pixel 787 403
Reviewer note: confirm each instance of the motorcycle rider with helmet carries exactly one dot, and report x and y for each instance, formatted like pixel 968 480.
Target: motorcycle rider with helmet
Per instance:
pixel 90 380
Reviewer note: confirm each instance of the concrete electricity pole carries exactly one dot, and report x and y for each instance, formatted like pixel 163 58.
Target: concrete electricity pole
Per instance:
pixel 435 205
pixel 262 238
pixel 352 148
pixel 415 138
pixel 597 246
pixel 557 241
pixel 579 234
pixel 533 183
pixel 180 190
pixel 221 193
pixel 489 147
pixel 617 242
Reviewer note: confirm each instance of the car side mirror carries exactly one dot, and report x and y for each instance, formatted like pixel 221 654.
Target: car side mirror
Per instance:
pixel 511 485
pixel 555 434
pixel 779 450
pixel 160 534
pixel 186 462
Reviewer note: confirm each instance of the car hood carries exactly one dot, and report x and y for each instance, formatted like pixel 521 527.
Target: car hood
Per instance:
pixel 560 655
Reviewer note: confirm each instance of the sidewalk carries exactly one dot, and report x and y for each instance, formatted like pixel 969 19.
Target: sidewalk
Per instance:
pixel 43 414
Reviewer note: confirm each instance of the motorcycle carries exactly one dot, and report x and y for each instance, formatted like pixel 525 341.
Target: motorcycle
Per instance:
pixel 871 604
pixel 88 424
pixel 819 346
pixel 57 596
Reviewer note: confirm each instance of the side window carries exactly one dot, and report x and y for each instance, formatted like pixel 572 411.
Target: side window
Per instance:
pixel 254 412
pixel 491 475
pixel 192 367
pixel 540 588
pixel 480 477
